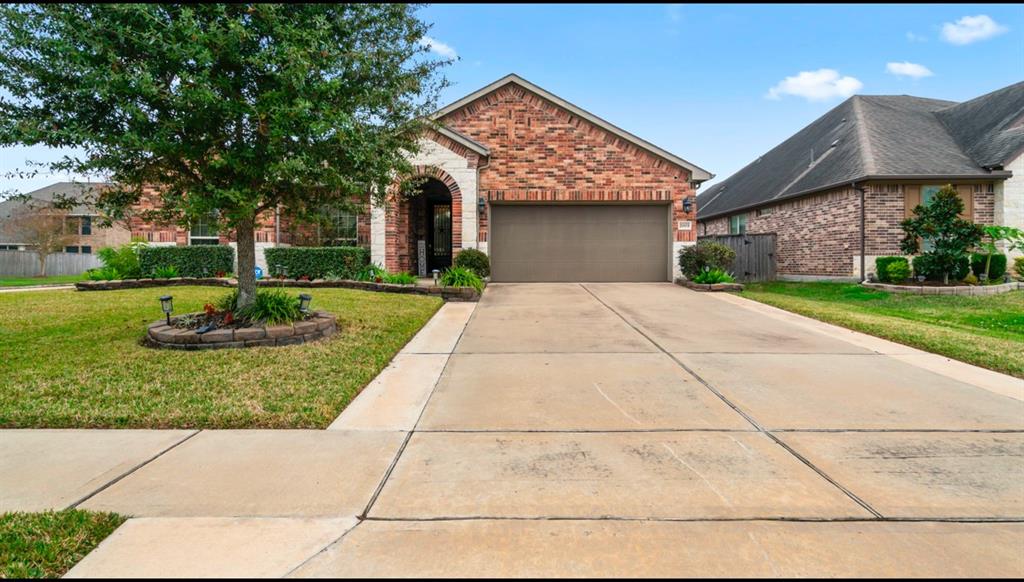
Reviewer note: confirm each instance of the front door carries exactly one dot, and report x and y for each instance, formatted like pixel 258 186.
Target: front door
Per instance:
pixel 439 239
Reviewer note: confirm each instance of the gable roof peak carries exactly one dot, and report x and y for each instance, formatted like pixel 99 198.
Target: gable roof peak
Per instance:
pixel 697 174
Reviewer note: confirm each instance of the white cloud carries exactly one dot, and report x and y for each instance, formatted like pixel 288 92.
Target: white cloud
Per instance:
pixel 908 69
pixel 914 37
pixel 971 29
pixel 675 12
pixel 438 48
pixel 819 85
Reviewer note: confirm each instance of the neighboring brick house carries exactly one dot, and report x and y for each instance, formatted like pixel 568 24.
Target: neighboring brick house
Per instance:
pixel 898 150
pixel 550 191
pixel 82 222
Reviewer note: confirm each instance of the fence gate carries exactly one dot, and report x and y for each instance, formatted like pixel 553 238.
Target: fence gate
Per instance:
pixel 755 255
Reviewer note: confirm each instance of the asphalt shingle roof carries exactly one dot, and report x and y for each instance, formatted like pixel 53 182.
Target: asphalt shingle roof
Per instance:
pixel 989 128
pixel 875 136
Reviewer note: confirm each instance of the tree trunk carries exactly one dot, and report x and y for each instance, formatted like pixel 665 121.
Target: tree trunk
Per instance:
pixel 988 263
pixel 42 263
pixel 245 234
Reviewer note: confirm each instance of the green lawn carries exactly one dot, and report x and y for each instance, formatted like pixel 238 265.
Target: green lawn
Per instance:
pixel 73 359
pixel 48 544
pixel 8 281
pixel 984 331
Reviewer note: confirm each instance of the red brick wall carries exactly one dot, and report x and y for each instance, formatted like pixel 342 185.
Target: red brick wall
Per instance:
pixel 541 152
pixel 291 233
pixel 820 234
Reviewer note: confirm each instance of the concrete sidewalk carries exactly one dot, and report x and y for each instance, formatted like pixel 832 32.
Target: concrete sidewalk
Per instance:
pixel 579 430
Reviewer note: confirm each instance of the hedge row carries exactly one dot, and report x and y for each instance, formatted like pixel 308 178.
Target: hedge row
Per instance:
pixel 316 262
pixel 190 261
pixel 996 269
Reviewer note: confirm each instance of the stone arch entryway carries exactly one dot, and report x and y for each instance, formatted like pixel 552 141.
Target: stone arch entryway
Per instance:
pixel 424 231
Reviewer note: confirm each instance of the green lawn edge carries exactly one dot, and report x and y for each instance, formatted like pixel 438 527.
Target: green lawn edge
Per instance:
pixel 986 331
pixel 47 544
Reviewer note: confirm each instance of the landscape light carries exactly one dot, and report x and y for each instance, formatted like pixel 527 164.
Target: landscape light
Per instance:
pixel 304 299
pixel 167 305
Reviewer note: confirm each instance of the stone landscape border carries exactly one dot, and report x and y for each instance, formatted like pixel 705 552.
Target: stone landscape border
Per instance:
pixel 975 290
pixel 712 287
pixel 319 325
pixel 446 293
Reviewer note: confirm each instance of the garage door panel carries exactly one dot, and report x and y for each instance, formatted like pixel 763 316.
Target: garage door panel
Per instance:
pixel 579 243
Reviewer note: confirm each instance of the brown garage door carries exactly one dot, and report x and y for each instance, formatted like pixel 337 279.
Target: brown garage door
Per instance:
pixel 579 243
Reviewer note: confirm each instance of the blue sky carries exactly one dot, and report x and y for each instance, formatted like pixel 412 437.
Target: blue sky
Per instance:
pixel 717 84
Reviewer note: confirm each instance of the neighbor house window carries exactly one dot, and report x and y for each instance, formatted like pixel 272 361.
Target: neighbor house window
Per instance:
pixel 340 227
pixel 204 231
pixel 738 224
pixel 86 250
pixel 70 249
pixel 86 225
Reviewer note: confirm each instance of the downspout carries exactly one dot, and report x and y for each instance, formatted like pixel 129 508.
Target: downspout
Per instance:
pixel 863 238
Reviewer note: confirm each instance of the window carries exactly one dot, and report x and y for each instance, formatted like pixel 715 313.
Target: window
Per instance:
pixel 86 225
pixel 70 249
pixel 9 248
pixel 928 192
pixel 738 224
pixel 86 250
pixel 339 228
pixel 204 231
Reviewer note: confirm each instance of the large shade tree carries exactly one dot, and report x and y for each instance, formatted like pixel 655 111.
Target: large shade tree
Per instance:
pixel 228 109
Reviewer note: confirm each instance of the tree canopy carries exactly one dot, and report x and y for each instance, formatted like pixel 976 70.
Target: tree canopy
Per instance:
pixel 231 109
pixel 948 237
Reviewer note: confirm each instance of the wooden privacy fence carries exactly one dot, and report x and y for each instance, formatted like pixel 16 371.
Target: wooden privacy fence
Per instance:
pixel 26 263
pixel 755 255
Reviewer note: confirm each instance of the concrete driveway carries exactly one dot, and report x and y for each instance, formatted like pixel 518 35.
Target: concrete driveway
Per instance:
pixel 643 429
pixel 609 430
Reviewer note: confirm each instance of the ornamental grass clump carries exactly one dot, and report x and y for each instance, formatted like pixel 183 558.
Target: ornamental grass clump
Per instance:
pixel 461 277
pixel 711 276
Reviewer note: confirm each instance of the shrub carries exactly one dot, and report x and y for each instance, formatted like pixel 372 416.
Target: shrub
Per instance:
pixel 317 262
pixel 271 307
pixel 474 260
pixel 123 259
pixel 166 272
pixel 371 273
pixel 711 276
pixel 399 278
pixel 925 265
pixel 705 254
pixel 1018 265
pixel 882 267
pixel 102 274
pixel 461 277
pixel 949 236
pixel 996 268
pixel 897 271
pixel 191 261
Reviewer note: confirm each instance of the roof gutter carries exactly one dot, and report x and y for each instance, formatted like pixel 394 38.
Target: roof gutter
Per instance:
pixel 1000 175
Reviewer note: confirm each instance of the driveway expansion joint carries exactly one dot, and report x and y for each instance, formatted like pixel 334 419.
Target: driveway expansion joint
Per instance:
pixel 746 416
pixel 127 473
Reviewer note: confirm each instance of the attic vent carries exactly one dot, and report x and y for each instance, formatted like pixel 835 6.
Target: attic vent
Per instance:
pixel 834 144
pixel 843 120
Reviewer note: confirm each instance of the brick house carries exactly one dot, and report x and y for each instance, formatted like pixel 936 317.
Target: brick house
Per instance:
pixel 81 222
pixel 896 151
pixel 548 190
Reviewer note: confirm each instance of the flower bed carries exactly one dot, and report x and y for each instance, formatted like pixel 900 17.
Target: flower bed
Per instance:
pixel 709 287
pixel 318 325
pixel 933 289
pixel 446 293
